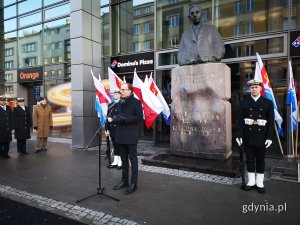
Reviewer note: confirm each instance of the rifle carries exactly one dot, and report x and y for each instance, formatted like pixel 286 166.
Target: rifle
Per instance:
pixel 108 151
pixel 242 166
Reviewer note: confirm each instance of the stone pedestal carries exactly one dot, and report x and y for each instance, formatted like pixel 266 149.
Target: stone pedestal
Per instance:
pixel 201 113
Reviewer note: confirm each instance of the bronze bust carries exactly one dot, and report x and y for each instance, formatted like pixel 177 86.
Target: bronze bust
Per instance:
pixel 201 43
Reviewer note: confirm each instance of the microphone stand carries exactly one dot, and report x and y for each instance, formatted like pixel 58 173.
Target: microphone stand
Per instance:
pixel 100 189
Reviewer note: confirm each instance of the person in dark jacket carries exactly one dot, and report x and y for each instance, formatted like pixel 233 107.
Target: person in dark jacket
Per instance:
pixel 6 126
pixel 22 125
pixel 256 130
pixel 112 128
pixel 128 129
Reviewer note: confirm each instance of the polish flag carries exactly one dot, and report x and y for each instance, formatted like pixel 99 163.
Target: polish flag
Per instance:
pixel 155 90
pixel 151 106
pixel 115 82
pixel 101 91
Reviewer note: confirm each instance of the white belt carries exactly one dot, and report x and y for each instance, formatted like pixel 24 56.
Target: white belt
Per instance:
pixel 259 122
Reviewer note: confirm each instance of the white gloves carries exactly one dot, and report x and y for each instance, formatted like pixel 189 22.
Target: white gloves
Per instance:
pixel 13 131
pixel 248 121
pixel 239 141
pixel 109 119
pixel 261 122
pixel 107 133
pixel 34 131
pixel 268 143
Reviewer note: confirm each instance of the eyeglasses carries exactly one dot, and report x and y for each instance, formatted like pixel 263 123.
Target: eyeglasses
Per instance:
pixel 124 89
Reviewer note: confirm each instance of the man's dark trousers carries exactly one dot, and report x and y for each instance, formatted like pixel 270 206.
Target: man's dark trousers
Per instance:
pixel 130 150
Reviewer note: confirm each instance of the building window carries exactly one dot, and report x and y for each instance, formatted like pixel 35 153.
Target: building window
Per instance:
pixel 172 1
pixel 56 45
pixel 237 51
pixel 147 10
pixel 147 27
pixel 250 50
pixel 9 52
pixel 205 14
pixel 248 75
pixel 237 29
pixel 249 5
pixel 238 7
pixel 249 27
pixel 217 12
pixel 31 47
pixel 56 59
pixel 9 64
pixel 136 29
pixel 173 20
pixel 147 45
pixel 47 60
pixel 8 77
pixel 9 88
pixel 30 61
pixel 137 12
pixel 173 41
pixel 136 47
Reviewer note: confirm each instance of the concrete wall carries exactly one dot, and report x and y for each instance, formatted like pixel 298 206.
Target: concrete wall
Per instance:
pixel 85 50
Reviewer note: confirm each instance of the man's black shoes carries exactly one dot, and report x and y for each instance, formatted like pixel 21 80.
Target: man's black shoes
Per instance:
pixel 120 185
pixel 131 189
pixel 111 166
pixel 261 190
pixel 249 188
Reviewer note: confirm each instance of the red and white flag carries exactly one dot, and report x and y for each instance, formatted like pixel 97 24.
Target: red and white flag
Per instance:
pixel 155 90
pixel 151 106
pixel 115 82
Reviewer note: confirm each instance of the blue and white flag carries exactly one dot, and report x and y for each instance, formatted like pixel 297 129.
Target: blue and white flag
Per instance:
pixel 100 112
pixel 292 99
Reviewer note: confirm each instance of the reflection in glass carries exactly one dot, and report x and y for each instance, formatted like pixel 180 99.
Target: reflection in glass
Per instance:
pixel 8 2
pixel 242 18
pixel 29 5
pixel 48 2
pixel 31 19
pixel 105 31
pixel 249 48
pixel 57 47
pixel 10 25
pixel 10 12
pixel 29 46
pixel 57 11
pixel 133 24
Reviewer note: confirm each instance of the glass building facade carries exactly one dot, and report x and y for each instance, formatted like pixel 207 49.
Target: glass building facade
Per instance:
pixel 35 47
pixel 35 36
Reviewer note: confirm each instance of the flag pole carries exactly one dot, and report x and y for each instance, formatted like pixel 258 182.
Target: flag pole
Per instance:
pixel 279 142
pixel 297 131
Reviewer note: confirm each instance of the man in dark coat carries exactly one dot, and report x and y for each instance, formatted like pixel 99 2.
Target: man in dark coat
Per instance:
pixel 6 126
pixel 112 128
pixel 127 136
pixel 22 124
pixel 256 130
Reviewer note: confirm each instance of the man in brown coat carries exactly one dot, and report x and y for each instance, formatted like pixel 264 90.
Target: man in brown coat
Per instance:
pixel 42 123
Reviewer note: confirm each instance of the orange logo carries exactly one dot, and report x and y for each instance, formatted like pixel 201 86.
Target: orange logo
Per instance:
pixel 33 76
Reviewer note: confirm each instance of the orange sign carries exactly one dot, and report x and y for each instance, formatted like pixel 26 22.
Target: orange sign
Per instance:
pixel 30 74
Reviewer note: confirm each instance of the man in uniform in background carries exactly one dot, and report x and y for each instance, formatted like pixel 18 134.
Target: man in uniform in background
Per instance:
pixel 22 125
pixel 6 126
pixel 256 130
pixel 112 128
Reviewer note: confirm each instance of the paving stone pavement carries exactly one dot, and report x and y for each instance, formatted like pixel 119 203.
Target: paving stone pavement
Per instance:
pixel 166 196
